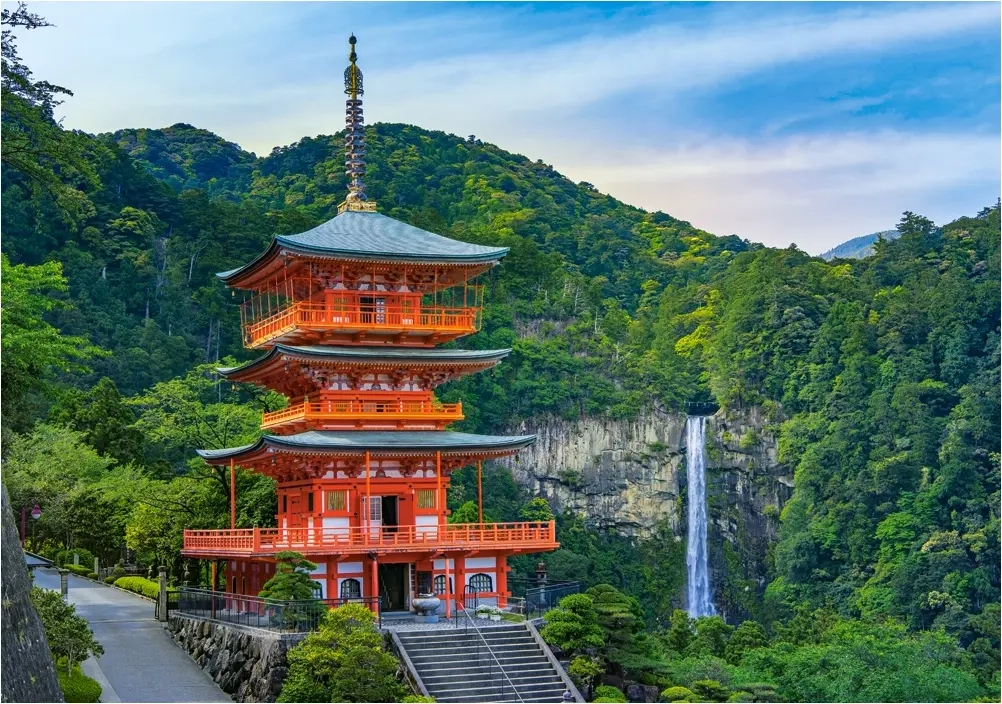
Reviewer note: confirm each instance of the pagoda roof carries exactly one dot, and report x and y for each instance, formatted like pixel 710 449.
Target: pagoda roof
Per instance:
pixel 372 236
pixel 358 441
pixel 361 355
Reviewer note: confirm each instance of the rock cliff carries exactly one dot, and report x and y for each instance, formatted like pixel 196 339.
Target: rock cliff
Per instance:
pixel 629 475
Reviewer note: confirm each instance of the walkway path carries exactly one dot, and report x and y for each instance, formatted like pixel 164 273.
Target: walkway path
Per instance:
pixel 140 663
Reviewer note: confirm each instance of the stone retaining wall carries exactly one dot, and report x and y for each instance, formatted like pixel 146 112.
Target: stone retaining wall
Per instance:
pixel 247 664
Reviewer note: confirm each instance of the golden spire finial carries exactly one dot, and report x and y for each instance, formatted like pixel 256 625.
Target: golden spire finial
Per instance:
pixel 354 138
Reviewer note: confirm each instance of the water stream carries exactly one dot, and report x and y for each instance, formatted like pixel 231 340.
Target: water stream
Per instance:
pixel 699 597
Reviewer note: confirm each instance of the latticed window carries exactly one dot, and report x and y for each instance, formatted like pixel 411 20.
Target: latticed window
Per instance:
pixel 440 584
pixel 351 589
pixel 337 500
pixel 426 498
pixel 481 582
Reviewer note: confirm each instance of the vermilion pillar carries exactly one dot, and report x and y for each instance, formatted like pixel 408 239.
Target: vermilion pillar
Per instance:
pixel 233 494
pixel 502 565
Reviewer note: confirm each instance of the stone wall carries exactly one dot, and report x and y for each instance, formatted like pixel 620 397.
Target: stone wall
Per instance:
pixel 27 673
pixel 247 664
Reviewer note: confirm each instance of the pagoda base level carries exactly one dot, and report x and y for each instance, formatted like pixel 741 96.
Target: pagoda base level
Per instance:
pixel 455 578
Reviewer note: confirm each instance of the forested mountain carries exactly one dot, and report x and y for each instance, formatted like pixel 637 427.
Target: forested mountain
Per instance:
pixel 880 375
pixel 858 247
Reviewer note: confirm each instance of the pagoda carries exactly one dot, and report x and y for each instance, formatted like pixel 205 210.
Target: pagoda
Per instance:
pixel 348 316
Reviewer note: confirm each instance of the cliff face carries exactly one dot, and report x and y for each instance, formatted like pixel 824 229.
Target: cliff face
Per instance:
pixel 630 476
pixel 28 673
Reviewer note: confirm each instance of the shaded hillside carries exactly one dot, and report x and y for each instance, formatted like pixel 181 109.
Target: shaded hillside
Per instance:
pixel 859 247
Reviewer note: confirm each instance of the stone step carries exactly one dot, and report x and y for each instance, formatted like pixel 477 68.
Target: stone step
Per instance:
pixel 462 669
pixel 495 679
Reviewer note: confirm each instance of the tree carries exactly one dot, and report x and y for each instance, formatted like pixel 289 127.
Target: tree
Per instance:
pixel 712 633
pixel 105 419
pixel 33 350
pixel 537 511
pixel 748 636
pixel 342 661
pixel 679 633
pixel 69 635
pixel 584 671
pixel 467 513
pixel 573 625
pixel 292 580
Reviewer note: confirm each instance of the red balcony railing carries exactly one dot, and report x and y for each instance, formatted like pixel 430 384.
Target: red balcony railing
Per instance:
pixel 517 537
pixel 358 407
pixel 352 316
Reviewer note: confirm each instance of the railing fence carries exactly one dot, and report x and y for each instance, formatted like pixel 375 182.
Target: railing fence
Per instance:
pixel 300 616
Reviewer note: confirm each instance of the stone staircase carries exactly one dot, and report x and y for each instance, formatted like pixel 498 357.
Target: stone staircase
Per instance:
pixel 483 664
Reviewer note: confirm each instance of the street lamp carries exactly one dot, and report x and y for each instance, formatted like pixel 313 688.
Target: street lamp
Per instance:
pixel 36 513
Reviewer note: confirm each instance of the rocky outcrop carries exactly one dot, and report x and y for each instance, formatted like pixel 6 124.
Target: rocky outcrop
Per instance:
pixel 27 673
pixel 248 665
pixel 629 476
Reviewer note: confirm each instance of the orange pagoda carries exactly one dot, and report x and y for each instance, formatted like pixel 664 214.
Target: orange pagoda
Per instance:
pixel 348 315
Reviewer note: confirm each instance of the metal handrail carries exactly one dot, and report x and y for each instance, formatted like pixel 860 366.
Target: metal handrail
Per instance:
pixel 296 616
pixel 490 651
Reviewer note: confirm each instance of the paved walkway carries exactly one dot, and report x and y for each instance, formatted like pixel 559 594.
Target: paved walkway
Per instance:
pixel 140 663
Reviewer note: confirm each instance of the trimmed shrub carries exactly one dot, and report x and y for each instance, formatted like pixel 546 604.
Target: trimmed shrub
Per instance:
pixel 78 687
pixel 139 585
pixel 110 579
pixel 678 694
pixel 710 690
pixel 417 699
pixel 609 693
pixel 93 575
pixel 78 569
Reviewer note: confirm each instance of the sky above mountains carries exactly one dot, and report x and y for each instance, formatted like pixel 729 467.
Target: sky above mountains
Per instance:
pixel 778 122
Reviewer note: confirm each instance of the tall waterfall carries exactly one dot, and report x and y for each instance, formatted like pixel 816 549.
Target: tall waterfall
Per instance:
pixel 699 598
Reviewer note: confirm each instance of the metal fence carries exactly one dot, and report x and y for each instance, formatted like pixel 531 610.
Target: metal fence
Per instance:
pixel 534 598
pixel 275 615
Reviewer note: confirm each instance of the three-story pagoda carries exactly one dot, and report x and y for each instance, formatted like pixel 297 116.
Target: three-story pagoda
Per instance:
pixel 348 315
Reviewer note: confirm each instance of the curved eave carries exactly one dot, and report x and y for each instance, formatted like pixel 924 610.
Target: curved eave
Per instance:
pixel 386 442
pixel 361 355
pixel 280 247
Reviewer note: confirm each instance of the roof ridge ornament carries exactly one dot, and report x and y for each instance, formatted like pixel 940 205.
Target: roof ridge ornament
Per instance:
pixel 354 138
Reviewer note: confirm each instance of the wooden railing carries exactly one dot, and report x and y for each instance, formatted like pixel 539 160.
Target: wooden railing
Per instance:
pixel 366 406
pixel 358 539
pixel 355 316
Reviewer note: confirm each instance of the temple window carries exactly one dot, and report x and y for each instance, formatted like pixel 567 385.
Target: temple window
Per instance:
pixel 351 589
pixel 481 583
pixel 426 498
pixel 337 500
pixel 440 584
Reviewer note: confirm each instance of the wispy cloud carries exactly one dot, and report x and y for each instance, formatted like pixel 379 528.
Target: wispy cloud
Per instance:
pixel 779 122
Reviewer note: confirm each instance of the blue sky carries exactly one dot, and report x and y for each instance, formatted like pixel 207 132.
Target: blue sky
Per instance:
pixel 779 122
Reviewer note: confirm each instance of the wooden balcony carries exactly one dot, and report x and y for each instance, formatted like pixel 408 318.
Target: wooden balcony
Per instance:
pixel 366 409
pixel 351 319
pixel 265 542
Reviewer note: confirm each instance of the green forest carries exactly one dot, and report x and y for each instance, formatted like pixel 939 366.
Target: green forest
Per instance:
pixel 880 377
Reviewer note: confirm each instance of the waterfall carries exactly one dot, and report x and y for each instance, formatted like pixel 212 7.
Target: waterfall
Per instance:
pixel 699 598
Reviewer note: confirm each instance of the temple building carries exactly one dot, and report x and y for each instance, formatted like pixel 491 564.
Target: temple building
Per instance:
pixel 348 316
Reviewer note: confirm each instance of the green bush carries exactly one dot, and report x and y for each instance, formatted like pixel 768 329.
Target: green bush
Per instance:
pixel 710 691
pixel 64 558
pixel 79 569
pixel 678 694
pixel 78 687
pixel 417 699
pixel 608 693
pixel 139 585
pixel 93 575
pixel 110 579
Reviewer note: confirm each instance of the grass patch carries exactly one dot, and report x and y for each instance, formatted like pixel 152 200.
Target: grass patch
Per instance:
pixel 77 687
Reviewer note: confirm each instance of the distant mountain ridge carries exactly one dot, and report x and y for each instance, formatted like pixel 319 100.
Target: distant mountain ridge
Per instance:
pixel 859 247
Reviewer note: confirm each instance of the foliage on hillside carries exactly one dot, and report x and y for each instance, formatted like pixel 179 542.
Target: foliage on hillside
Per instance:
pixel 880 376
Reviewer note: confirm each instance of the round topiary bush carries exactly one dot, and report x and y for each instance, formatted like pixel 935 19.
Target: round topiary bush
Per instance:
pixel 609 693
pixel 678 694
